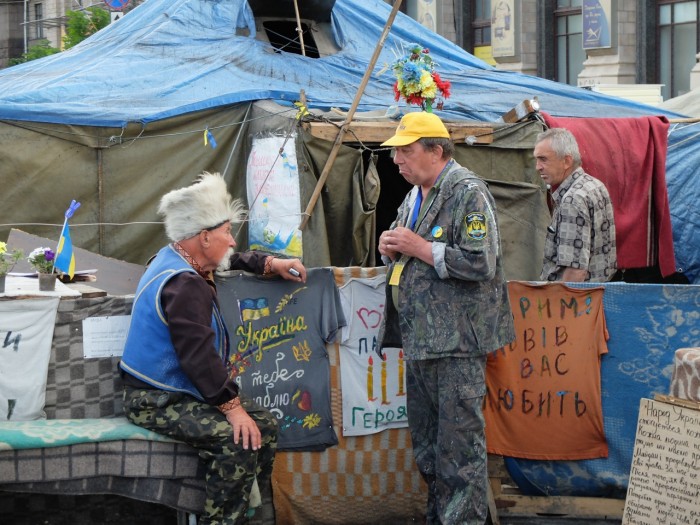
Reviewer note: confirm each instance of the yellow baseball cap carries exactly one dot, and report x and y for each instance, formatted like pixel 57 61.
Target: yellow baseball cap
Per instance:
pixel 417 125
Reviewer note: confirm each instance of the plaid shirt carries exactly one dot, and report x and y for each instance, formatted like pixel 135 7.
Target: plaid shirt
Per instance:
pixel 582 232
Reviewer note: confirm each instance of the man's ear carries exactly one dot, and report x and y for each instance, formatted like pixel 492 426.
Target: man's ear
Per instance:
pixel 204 238
pixel 568 161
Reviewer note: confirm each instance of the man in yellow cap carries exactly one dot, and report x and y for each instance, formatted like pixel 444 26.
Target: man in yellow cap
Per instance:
pixel 447 307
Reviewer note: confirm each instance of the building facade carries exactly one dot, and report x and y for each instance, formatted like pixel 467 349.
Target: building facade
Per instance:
pixel 25 23
pixel 589 43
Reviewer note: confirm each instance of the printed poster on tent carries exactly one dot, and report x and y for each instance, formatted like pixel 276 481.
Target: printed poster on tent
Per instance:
pixel 273 197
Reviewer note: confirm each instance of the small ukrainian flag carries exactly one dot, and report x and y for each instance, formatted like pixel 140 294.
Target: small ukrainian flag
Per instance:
pixel 65 258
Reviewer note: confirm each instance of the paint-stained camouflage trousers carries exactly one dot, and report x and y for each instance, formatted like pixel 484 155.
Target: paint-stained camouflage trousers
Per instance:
pixel 230 469
pixel 445 418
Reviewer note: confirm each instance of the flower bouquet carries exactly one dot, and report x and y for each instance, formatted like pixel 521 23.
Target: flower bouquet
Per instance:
pixel 416 79
pixel 8 259
pixel 42 260
pixel 7 262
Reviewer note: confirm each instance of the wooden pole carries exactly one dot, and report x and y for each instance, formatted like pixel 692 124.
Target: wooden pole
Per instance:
pixel 351 112
pixel 300 32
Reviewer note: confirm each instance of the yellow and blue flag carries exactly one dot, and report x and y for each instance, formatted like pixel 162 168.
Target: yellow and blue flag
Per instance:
pixel 65 258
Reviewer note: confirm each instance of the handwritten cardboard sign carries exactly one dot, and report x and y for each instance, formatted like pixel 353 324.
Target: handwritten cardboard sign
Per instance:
pixel 273 196
pixel 664 483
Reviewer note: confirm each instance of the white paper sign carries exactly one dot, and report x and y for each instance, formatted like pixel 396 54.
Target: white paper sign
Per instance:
pixel 105 336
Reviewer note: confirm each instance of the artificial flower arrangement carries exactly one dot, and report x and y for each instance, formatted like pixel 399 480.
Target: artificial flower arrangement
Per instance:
pixel 42 260
pixel 8 259
pixel 417 81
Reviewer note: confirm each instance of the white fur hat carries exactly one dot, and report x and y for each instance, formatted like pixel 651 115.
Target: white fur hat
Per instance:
pixel 203 205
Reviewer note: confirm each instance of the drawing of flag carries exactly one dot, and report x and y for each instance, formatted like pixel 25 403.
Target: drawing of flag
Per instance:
pixel 65 258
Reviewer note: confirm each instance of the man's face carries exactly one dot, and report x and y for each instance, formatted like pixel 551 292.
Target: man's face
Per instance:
pixel 221 245
pixel 552 169
pixel 416 164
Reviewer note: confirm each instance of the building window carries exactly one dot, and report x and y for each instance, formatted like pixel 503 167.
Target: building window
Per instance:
pixel 481 23
pixel 38 20
pixel 677 45
pixel 568 36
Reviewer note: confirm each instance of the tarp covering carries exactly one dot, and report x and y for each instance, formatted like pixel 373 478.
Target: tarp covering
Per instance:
pixel 166 58
pixel 687 104
pixel 118 120
pixel 683 186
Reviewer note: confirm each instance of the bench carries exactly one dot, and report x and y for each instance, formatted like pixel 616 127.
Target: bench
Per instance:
pixel 86 446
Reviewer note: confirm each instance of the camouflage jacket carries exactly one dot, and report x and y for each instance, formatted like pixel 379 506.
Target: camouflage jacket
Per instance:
pixel 459 306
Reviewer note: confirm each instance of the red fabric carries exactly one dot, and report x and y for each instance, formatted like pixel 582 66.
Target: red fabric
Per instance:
pixel 629 156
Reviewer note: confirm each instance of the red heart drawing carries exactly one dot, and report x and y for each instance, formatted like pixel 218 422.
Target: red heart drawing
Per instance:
pixel 369 318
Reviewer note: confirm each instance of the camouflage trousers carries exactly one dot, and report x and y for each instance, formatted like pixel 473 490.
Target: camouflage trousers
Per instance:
pixel 230 469
pixel 444 403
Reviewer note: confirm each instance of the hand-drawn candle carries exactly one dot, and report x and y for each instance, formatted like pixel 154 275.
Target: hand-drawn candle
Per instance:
pixel 401 374
pixel 384 398
pixel 370 380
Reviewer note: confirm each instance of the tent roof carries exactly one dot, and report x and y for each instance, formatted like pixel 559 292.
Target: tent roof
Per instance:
pixel 687 104
pixel 171 57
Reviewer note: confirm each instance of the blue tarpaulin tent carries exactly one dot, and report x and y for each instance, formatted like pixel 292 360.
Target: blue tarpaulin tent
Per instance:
pixel 169 59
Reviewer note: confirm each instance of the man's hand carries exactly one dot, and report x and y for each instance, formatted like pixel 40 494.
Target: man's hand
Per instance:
pixel 244 427
pixel 290 269
pixel 574 275
pixel 404 241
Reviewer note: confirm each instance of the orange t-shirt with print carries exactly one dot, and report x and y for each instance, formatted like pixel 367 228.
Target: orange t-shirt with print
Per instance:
pixel 544 394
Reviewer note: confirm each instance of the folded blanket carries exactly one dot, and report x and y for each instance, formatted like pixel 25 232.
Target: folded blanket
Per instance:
pixel 45 433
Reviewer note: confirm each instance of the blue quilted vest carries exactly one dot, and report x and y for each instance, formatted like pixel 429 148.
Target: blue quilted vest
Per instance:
pixel 149 354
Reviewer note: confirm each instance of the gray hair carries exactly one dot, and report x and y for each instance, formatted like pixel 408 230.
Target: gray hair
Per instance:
pixel 563 143
pixel 430 143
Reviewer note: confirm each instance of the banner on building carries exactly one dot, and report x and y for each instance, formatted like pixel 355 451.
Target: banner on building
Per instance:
pixel 596 23
pixel 503 28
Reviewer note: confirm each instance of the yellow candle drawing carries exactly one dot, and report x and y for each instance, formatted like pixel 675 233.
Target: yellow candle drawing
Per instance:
pixel 384 399
pixel 370 380
pixel 401 373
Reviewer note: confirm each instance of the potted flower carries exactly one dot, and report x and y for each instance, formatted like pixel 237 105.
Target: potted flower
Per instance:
pixel 42 260
pixel 7 262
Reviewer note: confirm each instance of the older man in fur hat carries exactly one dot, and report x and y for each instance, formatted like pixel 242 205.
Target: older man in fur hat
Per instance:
pixel 176 379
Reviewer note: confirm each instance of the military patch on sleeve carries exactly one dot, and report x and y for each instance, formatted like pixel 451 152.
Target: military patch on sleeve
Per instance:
pixel 475 225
